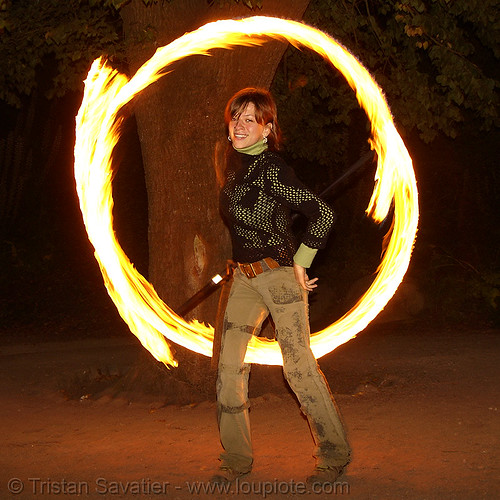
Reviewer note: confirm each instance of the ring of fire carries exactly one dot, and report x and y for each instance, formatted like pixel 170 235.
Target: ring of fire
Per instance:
pixel 97 132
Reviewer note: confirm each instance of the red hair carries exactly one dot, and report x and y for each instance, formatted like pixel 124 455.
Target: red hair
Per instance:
pixel 265 111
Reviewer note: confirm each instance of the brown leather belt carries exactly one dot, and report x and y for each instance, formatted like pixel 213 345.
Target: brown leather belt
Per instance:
pixel 252 269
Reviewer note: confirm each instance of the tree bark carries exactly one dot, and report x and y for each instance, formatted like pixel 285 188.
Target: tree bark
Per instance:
pixel 181 130
pixel 180 126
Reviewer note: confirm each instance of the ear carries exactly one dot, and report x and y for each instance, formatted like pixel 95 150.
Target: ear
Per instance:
pixel 267 129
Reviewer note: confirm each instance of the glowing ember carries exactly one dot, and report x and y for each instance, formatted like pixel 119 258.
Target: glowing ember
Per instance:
pixel 97 124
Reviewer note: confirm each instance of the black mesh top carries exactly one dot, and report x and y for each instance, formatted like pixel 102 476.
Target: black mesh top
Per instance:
pixel 256 201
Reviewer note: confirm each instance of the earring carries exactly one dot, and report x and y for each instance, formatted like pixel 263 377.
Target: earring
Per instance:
pixel 229 138
pixel 264 140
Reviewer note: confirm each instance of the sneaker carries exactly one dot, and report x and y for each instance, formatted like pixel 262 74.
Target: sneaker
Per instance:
pixel 227 475
pixel 325 475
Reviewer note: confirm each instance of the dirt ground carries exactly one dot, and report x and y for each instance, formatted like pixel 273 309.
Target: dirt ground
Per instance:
pixel 421 406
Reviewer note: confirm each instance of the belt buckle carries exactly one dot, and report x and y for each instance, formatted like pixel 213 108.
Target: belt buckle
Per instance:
pixel 248 270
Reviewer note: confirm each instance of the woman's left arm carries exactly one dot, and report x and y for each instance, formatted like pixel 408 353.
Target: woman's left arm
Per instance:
pixel 285 185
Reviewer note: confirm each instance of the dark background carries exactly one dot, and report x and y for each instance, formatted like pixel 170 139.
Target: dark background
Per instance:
pixel 51 286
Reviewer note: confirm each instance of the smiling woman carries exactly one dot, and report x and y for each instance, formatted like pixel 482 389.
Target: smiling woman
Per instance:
pixel 250 121
pixel 256 200
pixel 245 130
pixel 107 91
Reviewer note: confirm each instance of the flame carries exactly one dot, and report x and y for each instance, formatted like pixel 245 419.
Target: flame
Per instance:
pixel 97 132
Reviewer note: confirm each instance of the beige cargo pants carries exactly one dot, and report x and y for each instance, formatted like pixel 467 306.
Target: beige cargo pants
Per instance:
pixel 250 301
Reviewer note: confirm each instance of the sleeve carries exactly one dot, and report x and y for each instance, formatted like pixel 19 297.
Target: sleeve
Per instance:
pixel 284 184
pixel 304 255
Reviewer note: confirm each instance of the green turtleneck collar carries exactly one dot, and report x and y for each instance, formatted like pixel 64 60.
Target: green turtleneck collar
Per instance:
pixel 254 149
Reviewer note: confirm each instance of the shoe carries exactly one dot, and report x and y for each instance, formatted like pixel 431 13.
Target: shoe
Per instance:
pixel 226 475
pixel 325 475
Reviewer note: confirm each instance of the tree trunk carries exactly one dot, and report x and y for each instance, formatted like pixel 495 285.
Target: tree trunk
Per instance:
pixel 181 131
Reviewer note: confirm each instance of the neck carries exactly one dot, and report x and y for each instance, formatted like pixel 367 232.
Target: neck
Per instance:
pixel 254 149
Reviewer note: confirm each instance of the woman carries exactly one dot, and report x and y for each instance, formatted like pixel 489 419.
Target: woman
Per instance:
pixel 258 194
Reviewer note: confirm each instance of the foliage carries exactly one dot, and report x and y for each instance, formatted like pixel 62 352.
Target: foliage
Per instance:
pixel 315 108
pixel 435 60
pixel 52 43
pixel 460 292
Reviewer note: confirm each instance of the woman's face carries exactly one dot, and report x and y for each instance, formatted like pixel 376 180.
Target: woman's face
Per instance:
pixel 244 130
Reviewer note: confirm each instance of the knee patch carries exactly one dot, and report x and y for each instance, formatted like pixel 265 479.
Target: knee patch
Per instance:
pixel 228 325
pixel 233 409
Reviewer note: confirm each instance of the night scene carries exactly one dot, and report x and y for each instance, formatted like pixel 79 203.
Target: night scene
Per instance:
pixel 250 249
